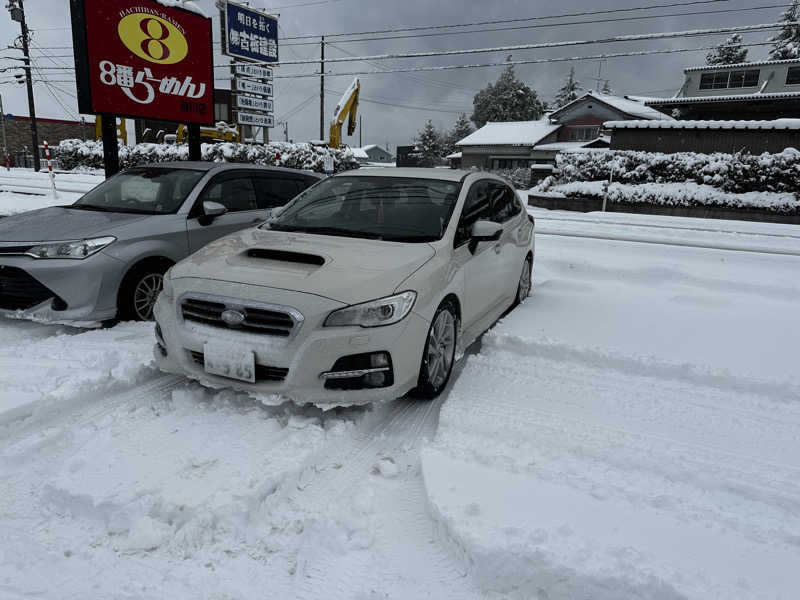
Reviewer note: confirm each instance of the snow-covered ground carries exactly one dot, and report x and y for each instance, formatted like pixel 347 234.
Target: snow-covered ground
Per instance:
pixel 631 431
pixel 22 190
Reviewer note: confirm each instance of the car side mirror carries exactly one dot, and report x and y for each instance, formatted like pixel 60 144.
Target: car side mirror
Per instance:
pixel 486 231
pixel 276 211
pixel 213 209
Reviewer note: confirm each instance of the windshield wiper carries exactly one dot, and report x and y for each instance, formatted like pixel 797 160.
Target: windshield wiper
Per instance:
pixel 340 231
pixel 89 207
pixel 114 209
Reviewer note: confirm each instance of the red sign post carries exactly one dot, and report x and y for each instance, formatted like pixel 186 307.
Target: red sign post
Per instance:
pixel 139 58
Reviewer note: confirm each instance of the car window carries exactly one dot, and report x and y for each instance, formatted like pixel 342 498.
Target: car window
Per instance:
pixel 402 209
pixel 236 193
pixel 504 202
pixel 477 207
pixel 276 191
pixel 146 190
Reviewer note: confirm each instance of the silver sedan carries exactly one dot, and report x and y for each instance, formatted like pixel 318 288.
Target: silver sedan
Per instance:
pixel 104 256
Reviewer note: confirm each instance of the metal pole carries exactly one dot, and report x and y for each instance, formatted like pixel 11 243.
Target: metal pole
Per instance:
pixel 360 129
pixel 31 107
pixel 195 151
pixel 50 169
pixel 5 144
pixel 108 127
pixel 322 88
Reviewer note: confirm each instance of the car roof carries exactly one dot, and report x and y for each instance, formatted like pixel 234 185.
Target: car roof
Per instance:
pixel 204 165
pixel 409 172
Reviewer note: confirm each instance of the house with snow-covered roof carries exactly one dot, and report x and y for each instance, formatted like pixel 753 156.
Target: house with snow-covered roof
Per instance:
pixel 377 154
pixel 576 126
pixel 763 90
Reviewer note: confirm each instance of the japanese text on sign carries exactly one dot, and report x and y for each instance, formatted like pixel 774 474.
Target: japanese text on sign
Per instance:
pixel 250 34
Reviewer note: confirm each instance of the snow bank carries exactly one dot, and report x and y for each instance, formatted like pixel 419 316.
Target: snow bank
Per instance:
pixel 687 193
pixel 632 430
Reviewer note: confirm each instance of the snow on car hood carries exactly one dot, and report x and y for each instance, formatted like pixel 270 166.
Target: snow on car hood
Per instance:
pixel 352 270
pixel 57 223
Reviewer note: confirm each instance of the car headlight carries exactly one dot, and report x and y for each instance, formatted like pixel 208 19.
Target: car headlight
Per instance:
pixel 385 311
pixel 78 249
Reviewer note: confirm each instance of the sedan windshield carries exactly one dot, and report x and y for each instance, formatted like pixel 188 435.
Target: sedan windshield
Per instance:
pixel 148 190
pixel 394 209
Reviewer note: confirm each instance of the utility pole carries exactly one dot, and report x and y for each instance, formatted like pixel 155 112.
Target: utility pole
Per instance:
pixel 17 10
pixel 5 144
pixel 322 88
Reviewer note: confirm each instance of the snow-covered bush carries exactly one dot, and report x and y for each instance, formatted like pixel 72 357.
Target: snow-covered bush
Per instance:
pixel 72 154
pixel 687 193
pixel 521 178
pixel 729 172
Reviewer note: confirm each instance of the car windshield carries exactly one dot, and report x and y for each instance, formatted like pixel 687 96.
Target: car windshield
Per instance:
pixel 395 209
pixel 148 190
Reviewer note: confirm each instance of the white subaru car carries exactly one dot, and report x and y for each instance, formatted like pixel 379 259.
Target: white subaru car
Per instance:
pixel 362 288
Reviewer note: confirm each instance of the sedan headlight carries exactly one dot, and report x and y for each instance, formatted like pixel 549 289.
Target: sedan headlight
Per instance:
pixel 385 311
pixel 78 249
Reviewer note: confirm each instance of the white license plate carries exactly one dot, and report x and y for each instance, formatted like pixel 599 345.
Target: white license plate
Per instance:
pixel 229 361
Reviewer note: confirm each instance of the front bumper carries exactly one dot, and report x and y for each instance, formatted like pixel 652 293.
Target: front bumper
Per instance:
pixel 291 367
pixel 79 291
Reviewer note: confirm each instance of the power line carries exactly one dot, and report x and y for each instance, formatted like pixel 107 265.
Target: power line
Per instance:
pixel 408 106
pixel 548 25
pixel 514 62
pixel 439 84
pixel 515 20
pixel 543 45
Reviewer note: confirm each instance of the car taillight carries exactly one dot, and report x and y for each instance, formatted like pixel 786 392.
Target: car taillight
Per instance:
pixel 531 219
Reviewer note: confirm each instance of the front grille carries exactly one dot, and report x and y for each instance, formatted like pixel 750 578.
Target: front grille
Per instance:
pixel 18 290
pixel 256 320
pixel 263 372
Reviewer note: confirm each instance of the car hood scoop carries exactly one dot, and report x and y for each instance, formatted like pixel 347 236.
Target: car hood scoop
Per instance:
pixel 286 256
pixel 349 270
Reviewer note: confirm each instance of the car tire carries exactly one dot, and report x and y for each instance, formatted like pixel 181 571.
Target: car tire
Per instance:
pixel 138 292
pixel 438 356
pixel 525 283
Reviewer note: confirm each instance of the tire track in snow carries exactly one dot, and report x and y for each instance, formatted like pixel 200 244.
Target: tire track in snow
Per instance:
pixel 604 433
pixel 403 528
pixel 50 423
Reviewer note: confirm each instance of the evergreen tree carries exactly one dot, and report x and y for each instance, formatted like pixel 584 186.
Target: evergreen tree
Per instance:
pixel 568 91
pixel 429 146
pixel 728 52
pixel 786 44
pixel 607 89
pixel 508 99
pixel 460 130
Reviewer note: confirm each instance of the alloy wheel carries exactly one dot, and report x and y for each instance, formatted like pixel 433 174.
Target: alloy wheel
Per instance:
pixel 441 348
pixel 524 289
pixel 145 295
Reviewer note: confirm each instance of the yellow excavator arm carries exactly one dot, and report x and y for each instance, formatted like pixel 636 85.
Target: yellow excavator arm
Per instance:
pixel 347 108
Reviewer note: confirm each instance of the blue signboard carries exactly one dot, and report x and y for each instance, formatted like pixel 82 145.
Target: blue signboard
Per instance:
pixel 250 34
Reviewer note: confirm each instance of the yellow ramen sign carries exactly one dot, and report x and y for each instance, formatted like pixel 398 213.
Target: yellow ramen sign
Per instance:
pixel 153 38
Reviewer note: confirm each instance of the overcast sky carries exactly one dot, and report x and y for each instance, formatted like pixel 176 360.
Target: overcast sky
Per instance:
pixel 443 94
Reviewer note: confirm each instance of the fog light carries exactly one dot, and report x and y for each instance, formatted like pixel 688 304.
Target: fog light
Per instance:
pixel 379 359
pixel 375 379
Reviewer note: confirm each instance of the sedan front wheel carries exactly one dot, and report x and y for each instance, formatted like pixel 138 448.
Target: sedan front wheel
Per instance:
pixel 439 354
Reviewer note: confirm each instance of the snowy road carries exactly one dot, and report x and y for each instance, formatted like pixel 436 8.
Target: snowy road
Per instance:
pixel 632 431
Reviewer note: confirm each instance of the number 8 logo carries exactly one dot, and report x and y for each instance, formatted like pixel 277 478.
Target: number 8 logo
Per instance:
pixel 158 39
pixel 153 39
